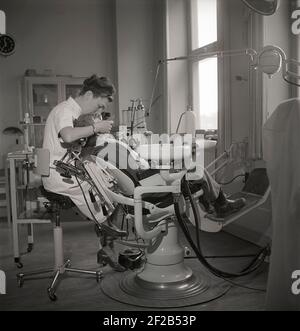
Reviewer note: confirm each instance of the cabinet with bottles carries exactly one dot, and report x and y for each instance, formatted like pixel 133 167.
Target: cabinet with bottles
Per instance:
pixel 40 95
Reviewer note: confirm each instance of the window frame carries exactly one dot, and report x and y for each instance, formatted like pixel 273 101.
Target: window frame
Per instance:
pixel 193 53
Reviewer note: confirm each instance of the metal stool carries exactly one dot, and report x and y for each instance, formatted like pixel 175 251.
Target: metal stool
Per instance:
pixel 56 203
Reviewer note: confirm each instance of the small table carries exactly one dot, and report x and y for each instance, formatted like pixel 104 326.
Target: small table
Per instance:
pixel 17 211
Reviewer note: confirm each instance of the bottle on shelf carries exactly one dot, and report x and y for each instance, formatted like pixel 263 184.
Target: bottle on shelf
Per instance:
pixel 27 118
pixel 187 122
pixel 26 131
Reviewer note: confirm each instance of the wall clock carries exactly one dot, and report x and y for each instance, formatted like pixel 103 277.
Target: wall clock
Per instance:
pixel 7 45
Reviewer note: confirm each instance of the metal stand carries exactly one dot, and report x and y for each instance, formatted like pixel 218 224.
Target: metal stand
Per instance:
pixel 60 266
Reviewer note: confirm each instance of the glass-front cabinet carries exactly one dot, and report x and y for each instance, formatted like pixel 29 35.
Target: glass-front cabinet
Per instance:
pixel 40 95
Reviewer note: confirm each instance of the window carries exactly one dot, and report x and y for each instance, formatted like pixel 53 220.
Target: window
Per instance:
pixel 2 22
pixel 208 93
pixel 205 22
pixel 204 72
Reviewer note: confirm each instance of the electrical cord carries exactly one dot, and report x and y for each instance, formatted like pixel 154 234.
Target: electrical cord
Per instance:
pixel 259 257
pixel 195 215
pixel 179 122
pixel 233 179
pixel 85 199
pixel 183 219
pixel 227 280
pixel 153 89
pixel 221 256
pixel 220 274
pixel 246 287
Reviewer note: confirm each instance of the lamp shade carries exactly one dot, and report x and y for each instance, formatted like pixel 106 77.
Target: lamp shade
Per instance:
pixel 263 7
pixel 12 130
pixel 269 60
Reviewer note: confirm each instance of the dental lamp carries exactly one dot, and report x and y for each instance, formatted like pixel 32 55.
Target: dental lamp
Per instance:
pixel 13 131
pixel 249 52
pixel 263 7
pixel 270 60
pixel 17 133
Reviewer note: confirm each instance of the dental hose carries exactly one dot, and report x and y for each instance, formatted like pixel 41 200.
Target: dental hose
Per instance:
pixel 183 219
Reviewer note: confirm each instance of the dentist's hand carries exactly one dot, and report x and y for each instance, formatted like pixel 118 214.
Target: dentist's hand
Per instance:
pixel 103 126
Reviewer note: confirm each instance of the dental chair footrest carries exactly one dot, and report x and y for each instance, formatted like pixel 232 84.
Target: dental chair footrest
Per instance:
pixel 252 201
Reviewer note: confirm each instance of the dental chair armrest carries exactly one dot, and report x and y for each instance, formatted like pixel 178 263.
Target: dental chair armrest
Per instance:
pixel 138 209
pixel 172 179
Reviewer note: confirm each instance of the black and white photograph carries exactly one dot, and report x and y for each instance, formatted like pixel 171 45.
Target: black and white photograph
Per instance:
pixel 149 166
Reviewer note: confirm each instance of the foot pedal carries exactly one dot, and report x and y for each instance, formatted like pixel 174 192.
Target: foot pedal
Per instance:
pixel 131 259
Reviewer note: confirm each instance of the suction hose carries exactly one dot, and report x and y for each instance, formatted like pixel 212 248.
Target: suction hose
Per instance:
pixel 183 221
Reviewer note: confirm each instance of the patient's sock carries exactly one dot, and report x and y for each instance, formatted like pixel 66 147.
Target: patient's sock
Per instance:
pixel 221 199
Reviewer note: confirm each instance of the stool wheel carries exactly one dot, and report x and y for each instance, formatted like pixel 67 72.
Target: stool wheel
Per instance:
pixel 29 248
pixel 51 294
pixel 19 265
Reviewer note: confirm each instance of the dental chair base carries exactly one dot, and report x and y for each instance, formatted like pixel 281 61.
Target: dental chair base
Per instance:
pixel 165 259
pixel 165 280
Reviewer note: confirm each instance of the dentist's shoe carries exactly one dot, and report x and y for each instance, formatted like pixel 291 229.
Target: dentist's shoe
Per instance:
pixel 103 258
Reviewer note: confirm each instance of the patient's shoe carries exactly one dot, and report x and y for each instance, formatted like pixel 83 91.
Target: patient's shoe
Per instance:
pixel 225 207
pixel 104 259
pixel 230 207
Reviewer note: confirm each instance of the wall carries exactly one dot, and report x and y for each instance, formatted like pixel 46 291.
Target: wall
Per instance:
pixel 239 74
pixel 177 71
pixel 70 37
pixel 251 30
pixel 277 31
pixel 139 47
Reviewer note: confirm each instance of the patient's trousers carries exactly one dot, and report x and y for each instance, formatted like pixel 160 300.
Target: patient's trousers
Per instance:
pixel 207 183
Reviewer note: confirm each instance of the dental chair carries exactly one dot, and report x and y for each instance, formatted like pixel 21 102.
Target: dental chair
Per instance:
pixel 152 205
pixel 54 205
pixel 165 280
